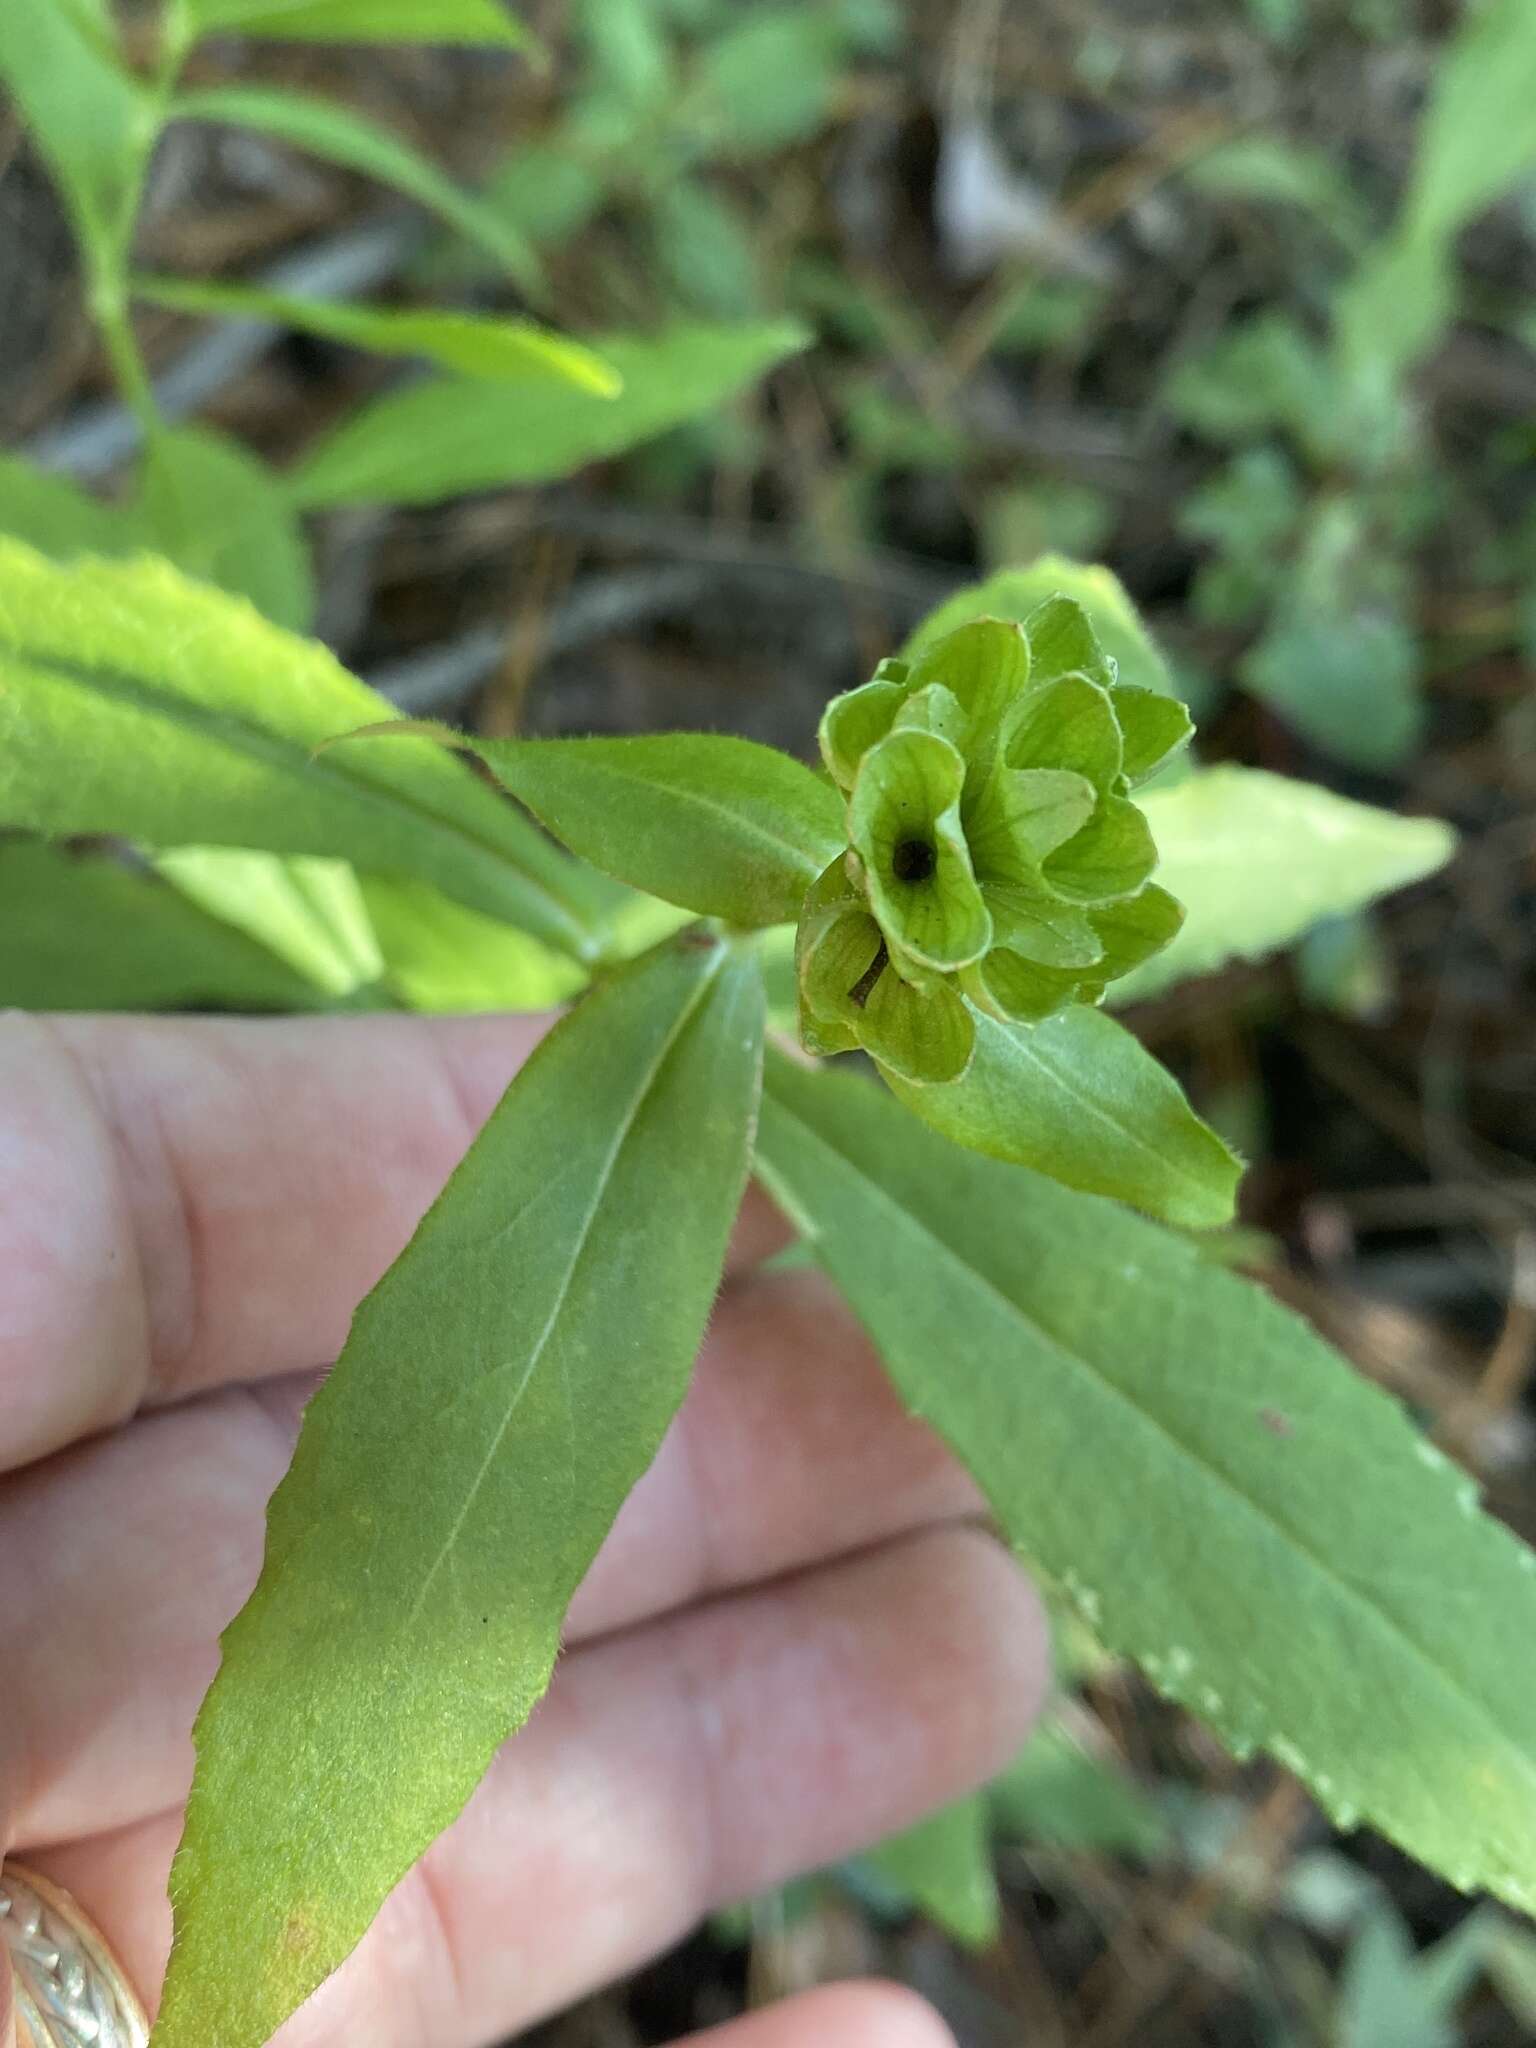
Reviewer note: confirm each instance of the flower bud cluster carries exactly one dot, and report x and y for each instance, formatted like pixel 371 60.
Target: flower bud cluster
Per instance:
pixel 995 859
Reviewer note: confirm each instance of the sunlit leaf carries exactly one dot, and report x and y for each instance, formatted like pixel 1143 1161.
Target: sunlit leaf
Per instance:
pixel 469 22
pixel 503 1387
pixel 136 702
pixel 1286 1555
pixel 1257 859
pixel 310 913
pixel 474 344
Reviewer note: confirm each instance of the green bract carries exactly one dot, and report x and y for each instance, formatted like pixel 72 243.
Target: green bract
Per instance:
pixel 994 856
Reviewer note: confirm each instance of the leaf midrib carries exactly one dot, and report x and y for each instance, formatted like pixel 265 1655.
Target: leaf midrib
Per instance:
pixel 579 1242
pixel 1168 1166
pixel 747 825
pixel 252 742
pixel 1377 1614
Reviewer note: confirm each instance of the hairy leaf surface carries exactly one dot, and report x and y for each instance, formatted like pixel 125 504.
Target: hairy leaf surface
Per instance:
pixel 451 434
pixel 719 825
pixel 1217 1491
pixel 1079 1098
pixel 1257 859
pixel 503 1388
pixel 220 712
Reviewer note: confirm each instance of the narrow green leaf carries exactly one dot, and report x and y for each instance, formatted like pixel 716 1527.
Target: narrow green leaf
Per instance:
pixel 138 703
pixel 530 1347
pixel 439 956
pixel 943 1866
pixel 1015 593
pixel 447 435
pixel 1257 859
pixel 101 931
pixel 1219 1494
pixel 58 518
pixel 474 344
pixel 310 913
pixel 85 111
pixel 324 129
pixel 1079 1098
pixel 1478 137
pixel 465 22
pixel 218 513
pixel 721 826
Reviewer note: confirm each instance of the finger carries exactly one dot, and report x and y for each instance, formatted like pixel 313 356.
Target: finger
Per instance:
pixel 129 1555
pixel 841 2016
pixel 186 1202
pixel 7 2002
pixel 670 1770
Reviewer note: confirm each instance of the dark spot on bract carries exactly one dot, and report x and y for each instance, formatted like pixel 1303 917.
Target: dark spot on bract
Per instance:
pixel 1276 1423
pixel 914 860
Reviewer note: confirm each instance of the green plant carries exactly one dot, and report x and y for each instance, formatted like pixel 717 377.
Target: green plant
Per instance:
pixel 1334 485
pixel 1227 1504
pixel 509 401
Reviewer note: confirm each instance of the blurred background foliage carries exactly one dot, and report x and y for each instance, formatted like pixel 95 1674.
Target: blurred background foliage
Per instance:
pixel 1238 296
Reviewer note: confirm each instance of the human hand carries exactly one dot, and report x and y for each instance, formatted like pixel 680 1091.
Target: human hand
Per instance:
pixel 795 1640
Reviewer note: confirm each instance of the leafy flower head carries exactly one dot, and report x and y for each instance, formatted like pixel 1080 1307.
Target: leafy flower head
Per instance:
pixel 995 858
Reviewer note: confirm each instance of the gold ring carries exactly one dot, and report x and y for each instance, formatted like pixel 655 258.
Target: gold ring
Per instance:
pixel 70 1988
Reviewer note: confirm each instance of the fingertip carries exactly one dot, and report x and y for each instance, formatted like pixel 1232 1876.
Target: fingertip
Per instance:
pixel 863 2015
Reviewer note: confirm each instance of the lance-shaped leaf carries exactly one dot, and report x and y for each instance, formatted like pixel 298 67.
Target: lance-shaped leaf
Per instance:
pixel 475 344
pixel 504 1386
pixel 1221 1496
pixel 466 22
pixel 904 822
pixel 443 435
pixel 220 714
pixel 324 129
pixel 1080 1099
pixel 310 913
pixel 719 825
pixel 85 110
pixel 1256 859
